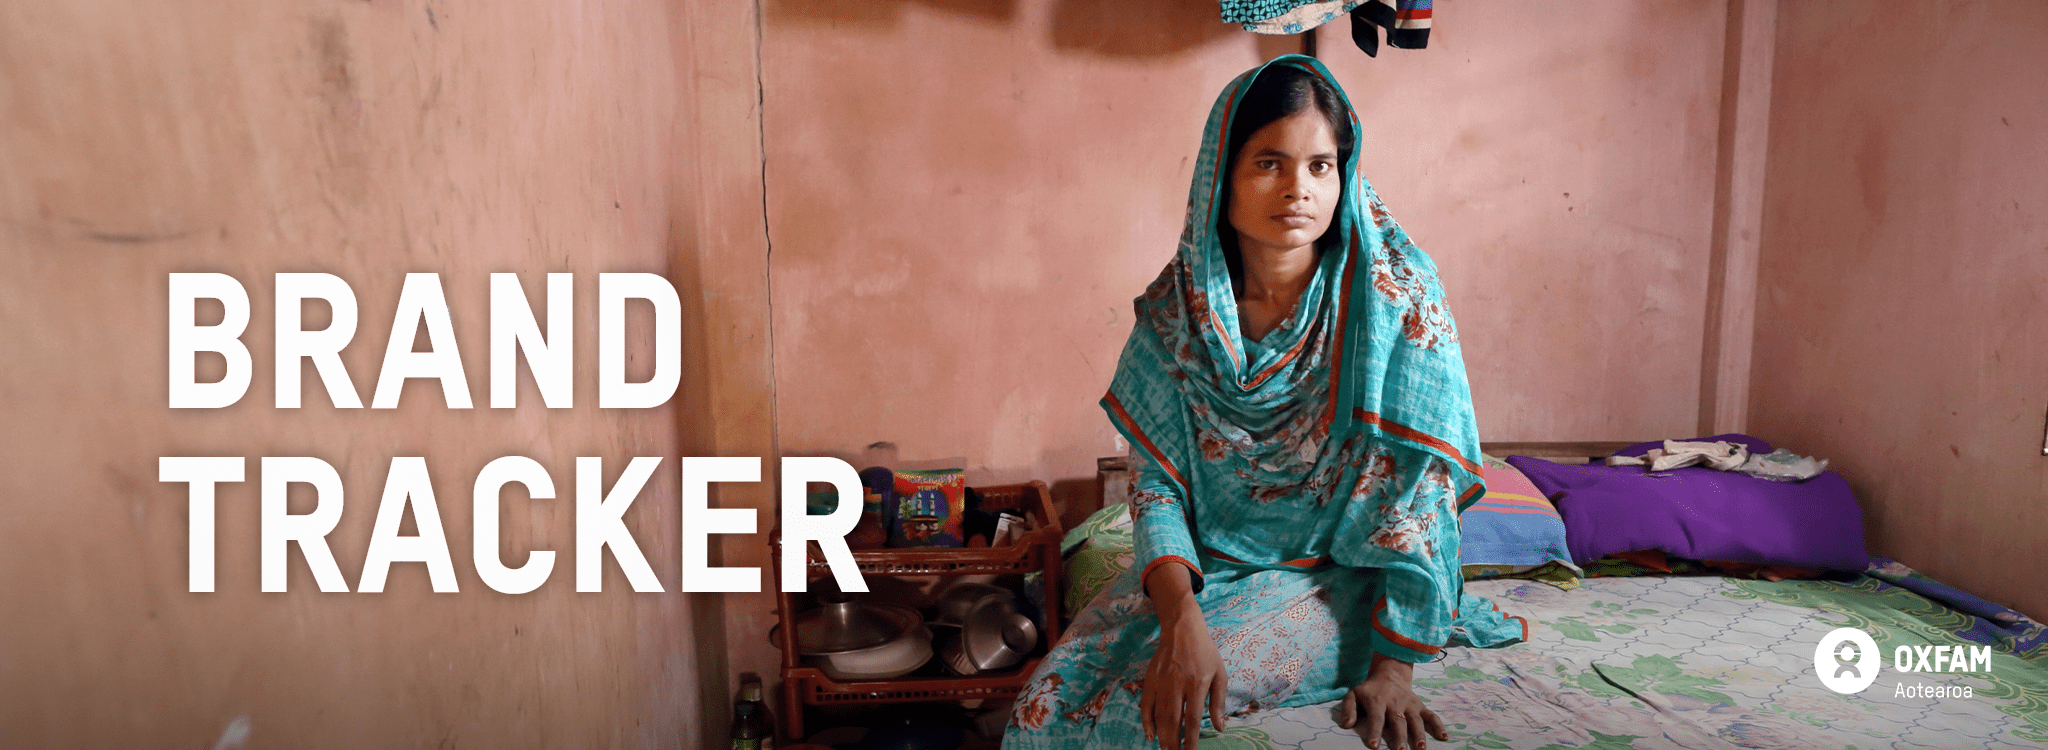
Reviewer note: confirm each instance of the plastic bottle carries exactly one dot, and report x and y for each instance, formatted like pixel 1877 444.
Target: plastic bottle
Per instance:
pixel 753 726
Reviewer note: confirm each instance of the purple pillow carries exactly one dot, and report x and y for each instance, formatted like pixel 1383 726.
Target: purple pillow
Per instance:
pixel 1703 514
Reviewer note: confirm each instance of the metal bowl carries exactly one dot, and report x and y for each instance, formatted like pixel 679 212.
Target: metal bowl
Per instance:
pixel 998 639
pixel 959 602
pixel 954 656
pixel 995 637
pixel 848 640
pixel 841 624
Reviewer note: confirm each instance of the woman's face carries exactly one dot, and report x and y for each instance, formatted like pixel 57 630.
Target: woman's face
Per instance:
pixel 1285 186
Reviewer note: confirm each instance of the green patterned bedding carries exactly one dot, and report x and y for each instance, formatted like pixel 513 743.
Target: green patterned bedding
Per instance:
pixel 1696 662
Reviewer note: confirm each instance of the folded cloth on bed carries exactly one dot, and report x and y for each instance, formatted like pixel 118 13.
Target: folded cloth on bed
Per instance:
pixel 1717 455
pixel 1783 466
pixel 1779 466
pixel 1736 439
pixel 1703 514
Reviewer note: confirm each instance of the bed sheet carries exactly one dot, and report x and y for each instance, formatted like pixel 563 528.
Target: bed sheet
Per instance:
pixel 1709 662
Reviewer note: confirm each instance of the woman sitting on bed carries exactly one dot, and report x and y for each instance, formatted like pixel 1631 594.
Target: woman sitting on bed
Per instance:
pixel 1302 439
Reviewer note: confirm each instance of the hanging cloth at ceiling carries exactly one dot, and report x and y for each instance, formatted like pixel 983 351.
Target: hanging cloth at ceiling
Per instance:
pixel 1406 21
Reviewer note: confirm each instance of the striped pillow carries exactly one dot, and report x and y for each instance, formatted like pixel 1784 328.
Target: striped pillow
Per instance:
pixel 1513 529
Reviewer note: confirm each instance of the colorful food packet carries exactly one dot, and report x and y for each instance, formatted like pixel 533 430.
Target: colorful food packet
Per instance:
pixel 928 508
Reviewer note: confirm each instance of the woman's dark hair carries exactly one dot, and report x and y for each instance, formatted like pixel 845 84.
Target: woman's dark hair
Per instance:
pixel 1280 91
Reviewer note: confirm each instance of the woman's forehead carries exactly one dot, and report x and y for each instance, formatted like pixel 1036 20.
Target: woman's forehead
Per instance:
pixel 1302 133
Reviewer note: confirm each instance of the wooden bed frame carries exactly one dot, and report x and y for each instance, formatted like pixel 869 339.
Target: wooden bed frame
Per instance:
pixel 1587 449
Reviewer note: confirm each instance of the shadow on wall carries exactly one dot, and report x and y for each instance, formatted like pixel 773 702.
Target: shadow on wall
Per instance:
pixel 879 14
pixel 1124 28
pixel 1137 28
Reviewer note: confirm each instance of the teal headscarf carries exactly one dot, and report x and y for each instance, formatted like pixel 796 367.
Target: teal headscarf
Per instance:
pixel 1375 310
pixel 1345 435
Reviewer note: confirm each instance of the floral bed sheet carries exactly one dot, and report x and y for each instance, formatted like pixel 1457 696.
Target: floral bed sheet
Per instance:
pixel 1713 662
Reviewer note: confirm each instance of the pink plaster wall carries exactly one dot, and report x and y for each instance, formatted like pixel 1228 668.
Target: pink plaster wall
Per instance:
pixel 963 198
pixel 1560 169
pixel 917 221
pixel 1900 319
pixel 726 405
pixel 366 140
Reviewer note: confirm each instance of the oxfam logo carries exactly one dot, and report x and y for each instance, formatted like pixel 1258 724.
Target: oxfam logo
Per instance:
pixel 1847 660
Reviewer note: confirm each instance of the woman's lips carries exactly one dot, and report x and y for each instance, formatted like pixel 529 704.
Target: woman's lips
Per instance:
pixel 1295 220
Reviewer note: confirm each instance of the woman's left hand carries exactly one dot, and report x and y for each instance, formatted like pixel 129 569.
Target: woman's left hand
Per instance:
pixel 1389 708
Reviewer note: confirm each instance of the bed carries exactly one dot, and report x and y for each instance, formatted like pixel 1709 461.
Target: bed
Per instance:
pixel 1667 653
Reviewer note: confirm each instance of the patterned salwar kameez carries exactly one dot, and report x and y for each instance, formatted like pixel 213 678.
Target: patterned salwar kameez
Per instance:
pixel 1310 479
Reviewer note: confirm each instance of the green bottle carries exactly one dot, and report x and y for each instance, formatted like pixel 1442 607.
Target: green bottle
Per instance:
pixel 753 727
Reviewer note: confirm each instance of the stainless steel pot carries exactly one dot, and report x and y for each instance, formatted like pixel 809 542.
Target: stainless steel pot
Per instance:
pixel 991 634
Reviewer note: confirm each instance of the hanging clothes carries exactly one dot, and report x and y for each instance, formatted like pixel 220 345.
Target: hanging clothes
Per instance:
pixel 1407 22
pixel 1310 480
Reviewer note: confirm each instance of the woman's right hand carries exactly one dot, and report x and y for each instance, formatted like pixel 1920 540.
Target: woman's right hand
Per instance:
pixel 1185 669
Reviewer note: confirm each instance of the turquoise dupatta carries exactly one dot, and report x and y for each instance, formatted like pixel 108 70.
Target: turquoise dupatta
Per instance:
pixel 1345 437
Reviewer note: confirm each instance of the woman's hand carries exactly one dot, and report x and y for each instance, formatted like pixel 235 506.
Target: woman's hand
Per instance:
pixel 1387 703
pixel 1184 670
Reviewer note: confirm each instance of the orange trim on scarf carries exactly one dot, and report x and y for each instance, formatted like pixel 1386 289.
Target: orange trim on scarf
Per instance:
pixel 1350 271
pixel 1525 623
pixel 1467 499
pixel 1223 159
pixel 1344 295
pixel 1337 336
pixel 1398 639
pixel 1195 582
pixel 1284 359
pixel 1132 425
pixel 1306 562
pixel 1216 322
pixel 1411 433
pixel 1215 191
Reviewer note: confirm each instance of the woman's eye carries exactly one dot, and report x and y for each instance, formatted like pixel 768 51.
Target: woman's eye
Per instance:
pixel 1320 167
pixel 1268 164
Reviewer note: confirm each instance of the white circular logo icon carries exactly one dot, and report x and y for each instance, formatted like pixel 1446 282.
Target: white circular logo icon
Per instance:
pixel 1847 660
